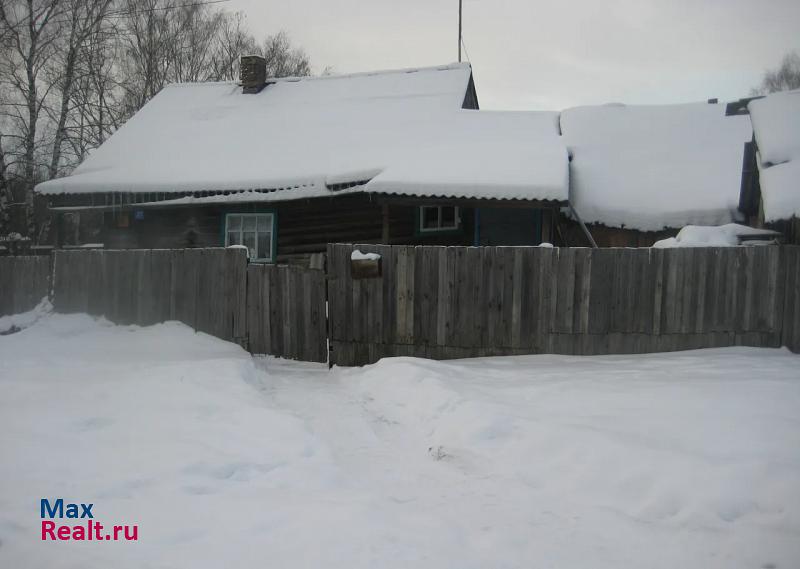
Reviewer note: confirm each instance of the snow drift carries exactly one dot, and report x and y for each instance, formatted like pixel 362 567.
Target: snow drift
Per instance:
pixel 669 460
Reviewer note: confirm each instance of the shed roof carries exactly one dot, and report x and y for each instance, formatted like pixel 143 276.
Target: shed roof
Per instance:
pixel 652 167
pixel 400 132
pixel 776 122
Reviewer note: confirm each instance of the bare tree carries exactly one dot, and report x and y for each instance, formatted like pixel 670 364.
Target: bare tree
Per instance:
pixel 30 28
pixel 785 77
pixel 283 59
pixel 83 17
pixel 98 98
pixel 72 72
pixel 192 38
pixel 145 34
pixel 233 41
pixel 5 194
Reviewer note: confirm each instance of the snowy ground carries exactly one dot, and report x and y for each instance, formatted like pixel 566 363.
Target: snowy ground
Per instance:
pixel 670 460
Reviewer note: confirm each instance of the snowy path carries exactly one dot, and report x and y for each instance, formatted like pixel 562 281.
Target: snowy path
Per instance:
pixel 508 456
pixel 666 460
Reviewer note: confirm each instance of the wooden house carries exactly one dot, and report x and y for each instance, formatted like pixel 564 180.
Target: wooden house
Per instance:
pixel 639 173
pixel 285 166
pixel 770 189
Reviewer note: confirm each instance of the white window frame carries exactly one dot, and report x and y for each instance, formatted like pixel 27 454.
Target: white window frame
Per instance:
pixel 270 223
pixel 440 228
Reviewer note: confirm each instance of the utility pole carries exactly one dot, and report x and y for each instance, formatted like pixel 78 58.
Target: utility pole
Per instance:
pixel 459 30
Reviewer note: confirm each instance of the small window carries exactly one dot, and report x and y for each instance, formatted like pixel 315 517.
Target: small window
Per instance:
pixel 255 231
pixel 438 218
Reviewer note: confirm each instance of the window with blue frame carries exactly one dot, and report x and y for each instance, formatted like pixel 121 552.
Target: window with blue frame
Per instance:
pixel 256 231
pixel 433 218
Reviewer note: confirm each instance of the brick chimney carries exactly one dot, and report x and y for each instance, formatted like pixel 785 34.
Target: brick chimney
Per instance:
pixel 252 73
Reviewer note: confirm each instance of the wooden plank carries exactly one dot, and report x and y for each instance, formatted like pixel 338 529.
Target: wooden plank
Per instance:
pixel 748 261
pixel 493 279
pixel 529 301
pixel 405 295
pixel 516 299
pixel 452 308
pixel 336 293
pixel 442 296
pixel 548 287
pixel 276 313
pixel 583 283
pixel 461 332
pixel 289 299
pixel 255 309
pixel 266 326
pixel 507 298
pixel 389 293
pixel 472 275
pixel 564 273
pixel 318 348
pixel 541 260
pixel 8 278
pixel 791 306
pixel 672 292
pixel 600 298
pixel 427 294
pixel 773 299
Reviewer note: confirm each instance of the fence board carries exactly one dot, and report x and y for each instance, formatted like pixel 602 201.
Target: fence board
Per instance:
pixel 435 301
pixel 202 287
pixel 791 306
pixel 286 312
pixel 24 282
pixel 468 301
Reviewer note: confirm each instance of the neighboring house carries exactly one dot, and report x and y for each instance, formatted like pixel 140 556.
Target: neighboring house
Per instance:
pixel 285 166
pixel 640 173
pixel 771 181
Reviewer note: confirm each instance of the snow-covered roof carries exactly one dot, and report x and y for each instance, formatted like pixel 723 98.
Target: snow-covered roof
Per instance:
pixel 651 167
pixel 776 122
pixel 398 132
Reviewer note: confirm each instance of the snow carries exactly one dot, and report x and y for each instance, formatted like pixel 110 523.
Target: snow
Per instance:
pixel 727 235
pixel 404 131
pixel 13 322
pixel 244 247
pixel 357 255
pixel 688 459
pixel 776 122
pixel 651 167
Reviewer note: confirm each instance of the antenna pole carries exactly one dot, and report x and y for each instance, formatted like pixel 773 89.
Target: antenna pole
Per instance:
pixel 459 30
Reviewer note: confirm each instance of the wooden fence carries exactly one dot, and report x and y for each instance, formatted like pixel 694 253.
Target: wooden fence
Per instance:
pixel 267 309
pixel 791 307
pixel 286 312
pixel 24 281
pixel 436 302
pixel 449 302
pixel 204 288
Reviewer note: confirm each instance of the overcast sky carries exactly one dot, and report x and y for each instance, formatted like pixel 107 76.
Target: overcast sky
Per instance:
pixel 537 54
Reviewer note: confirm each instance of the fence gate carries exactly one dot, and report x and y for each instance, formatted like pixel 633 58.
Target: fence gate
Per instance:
pixel 286 312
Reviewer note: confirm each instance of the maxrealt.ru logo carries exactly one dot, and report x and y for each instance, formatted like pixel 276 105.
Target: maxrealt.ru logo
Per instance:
pixel 88 530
